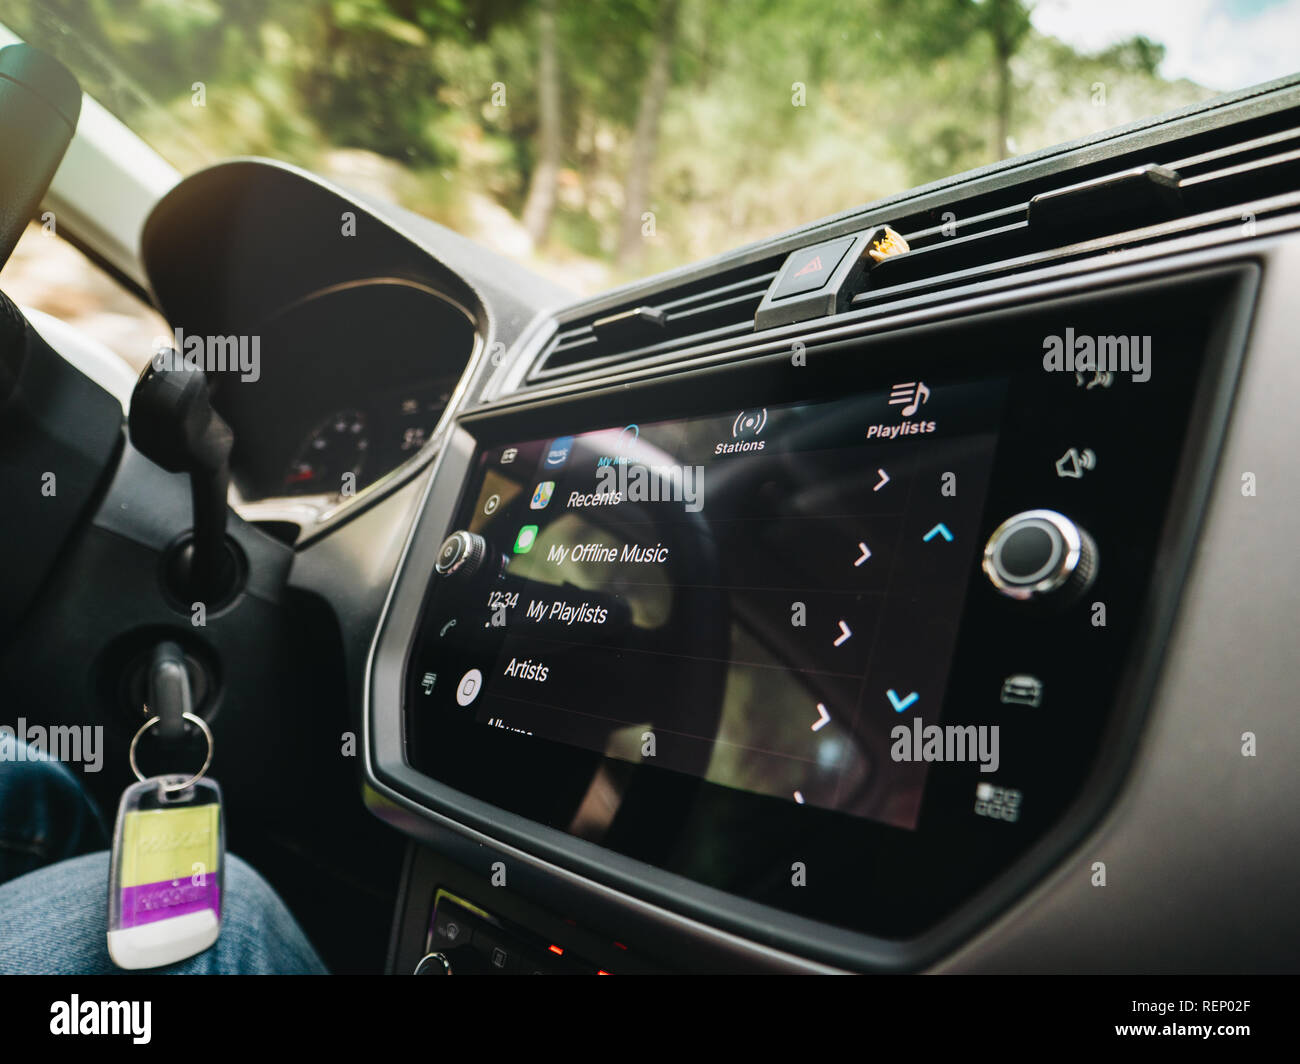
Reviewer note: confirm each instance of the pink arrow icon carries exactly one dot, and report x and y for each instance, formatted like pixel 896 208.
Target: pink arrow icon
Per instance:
pixel 823 718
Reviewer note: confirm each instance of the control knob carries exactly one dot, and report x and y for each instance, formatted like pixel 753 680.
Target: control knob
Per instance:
pixel 1040 555
pixel 461 555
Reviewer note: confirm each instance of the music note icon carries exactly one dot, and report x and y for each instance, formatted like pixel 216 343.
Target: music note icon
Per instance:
pixel 913 393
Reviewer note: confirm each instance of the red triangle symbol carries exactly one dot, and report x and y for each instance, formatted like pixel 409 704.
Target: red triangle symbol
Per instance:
pixel 813 267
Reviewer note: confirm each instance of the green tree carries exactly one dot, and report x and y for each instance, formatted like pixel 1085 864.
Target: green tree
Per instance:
pixel 541 189
pixel 645 134
pixel 928 30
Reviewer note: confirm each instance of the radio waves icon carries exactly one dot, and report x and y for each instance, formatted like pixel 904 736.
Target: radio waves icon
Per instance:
pixel 749 423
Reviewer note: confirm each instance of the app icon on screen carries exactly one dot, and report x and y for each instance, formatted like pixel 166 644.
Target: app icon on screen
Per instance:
pixel 542 495
pixel 557 454
pixel 470 684
pixel 526 538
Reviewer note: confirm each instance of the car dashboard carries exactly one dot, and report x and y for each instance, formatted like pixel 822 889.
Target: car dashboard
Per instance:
pixel 859 600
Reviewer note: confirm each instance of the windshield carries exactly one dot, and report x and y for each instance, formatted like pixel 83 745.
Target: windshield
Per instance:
pixel 599 142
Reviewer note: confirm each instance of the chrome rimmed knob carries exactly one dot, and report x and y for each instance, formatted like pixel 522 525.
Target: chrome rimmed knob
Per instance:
pixel 461 555
pixel 1040 554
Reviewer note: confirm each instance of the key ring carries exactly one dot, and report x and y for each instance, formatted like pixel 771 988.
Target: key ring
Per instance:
pixel 171 788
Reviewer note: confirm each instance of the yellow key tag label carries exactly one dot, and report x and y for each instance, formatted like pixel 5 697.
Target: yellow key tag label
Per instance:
pixel 169 844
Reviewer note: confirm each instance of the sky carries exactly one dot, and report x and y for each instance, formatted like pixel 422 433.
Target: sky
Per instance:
pixel 1222 44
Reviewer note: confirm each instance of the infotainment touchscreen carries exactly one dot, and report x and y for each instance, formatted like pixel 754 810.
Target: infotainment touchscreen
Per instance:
pixel 759 598
pixel 848 636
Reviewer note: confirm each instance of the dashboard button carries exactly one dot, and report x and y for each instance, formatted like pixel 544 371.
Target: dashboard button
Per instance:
pixel 1039 554
pixel 1030 552
pixel 461 554
pixel 501 952
pixel 810 268
pixel 452 927
pixel 1021 689
pixel 470 685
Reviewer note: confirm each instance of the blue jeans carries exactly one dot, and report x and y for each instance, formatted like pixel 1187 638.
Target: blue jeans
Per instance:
pixel 45 814
pixel 54 891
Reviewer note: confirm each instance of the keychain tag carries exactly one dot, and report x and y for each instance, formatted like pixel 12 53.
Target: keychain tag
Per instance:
pixel 167 869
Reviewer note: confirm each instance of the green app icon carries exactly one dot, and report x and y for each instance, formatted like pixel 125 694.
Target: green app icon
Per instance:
pixel 526 538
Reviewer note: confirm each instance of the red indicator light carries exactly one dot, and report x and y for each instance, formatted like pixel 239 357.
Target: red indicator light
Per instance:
pixel 556 950
pixel 601 971
pixel 620 945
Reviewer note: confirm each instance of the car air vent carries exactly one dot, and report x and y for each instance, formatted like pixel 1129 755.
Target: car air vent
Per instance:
pixel 1225 177
pixel 716 308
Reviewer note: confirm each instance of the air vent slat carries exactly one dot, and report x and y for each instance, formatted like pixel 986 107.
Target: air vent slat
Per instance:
pixel 1227 217
pixel 757 284
pixel 1276 164
pixel 1190 165
pixel 741 299
pixel 592 361
pixel 573 342
pixel 627 325
pixel 693 314
pixel 965 226
pixel 958 253
pixel 1104 209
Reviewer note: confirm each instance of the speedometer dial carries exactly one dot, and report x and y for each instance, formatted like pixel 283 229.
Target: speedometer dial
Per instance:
pixel 332 458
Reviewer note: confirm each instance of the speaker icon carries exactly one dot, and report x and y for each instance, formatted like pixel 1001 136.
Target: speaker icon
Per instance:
pixel 1074 463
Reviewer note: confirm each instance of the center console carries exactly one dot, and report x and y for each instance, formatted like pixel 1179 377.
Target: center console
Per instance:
pixel 835 647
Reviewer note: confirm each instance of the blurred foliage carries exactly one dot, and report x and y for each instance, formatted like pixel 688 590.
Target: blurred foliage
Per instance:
pixel 778 111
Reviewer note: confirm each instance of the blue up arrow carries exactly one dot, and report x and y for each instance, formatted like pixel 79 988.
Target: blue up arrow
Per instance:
pixel 938 530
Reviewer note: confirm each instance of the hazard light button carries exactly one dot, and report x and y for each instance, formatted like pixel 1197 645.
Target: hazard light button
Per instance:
pixel 808 269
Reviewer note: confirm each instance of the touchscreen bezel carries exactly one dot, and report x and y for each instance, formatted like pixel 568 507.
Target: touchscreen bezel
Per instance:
pixel 938 846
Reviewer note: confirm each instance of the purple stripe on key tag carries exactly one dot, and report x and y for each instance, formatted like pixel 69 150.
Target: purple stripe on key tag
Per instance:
pixel 150 902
